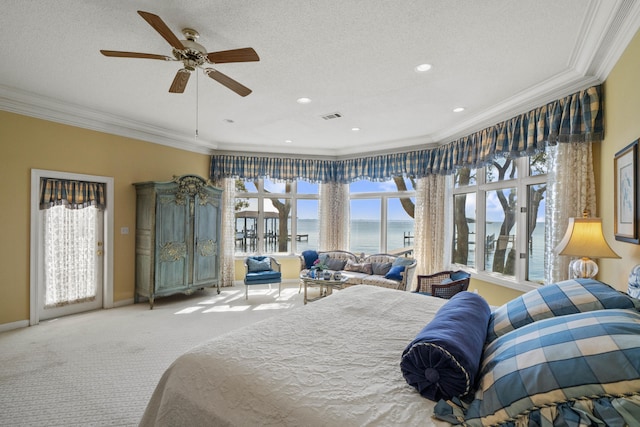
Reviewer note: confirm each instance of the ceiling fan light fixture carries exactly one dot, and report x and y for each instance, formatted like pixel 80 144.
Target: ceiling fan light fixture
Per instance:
pixel 191 36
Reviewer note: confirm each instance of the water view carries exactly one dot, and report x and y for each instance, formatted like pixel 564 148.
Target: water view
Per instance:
pixel 536 248
pixel 365 237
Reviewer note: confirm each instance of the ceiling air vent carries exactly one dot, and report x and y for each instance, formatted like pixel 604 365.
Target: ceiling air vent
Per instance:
pixel 332 116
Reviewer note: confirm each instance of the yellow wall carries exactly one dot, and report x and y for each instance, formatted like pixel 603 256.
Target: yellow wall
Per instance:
pixel 494 294
pixel 622 126
pixel 27 143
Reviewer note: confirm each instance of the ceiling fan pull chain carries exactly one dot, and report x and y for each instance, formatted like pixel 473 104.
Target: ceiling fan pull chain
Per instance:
pixel 197 103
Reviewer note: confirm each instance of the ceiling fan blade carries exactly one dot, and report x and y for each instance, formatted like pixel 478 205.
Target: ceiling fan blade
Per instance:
pixel 158 24
pixel 180 81
pixel 246 54
pixel 119 54
pixel 227 81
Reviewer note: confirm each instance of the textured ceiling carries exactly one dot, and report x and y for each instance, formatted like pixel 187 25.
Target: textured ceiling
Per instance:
pixel 495 58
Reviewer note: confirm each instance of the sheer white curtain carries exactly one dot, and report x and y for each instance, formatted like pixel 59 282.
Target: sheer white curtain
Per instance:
pixel 570 191
pixel 228 232
pixel 429 244
pixel 334 216
pixel 70 242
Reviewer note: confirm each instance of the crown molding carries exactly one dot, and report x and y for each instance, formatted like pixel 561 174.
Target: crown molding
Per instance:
pixel 622 27
pixel 548 91
pixel 37 106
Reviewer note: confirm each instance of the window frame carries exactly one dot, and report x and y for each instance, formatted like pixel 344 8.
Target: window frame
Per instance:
pixel 260 195
pixel 521 184
pixel 383 197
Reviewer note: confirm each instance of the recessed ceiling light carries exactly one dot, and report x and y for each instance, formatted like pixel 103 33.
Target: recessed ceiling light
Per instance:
pixel 422 68
pixel 355 129
pixel 458 109
pixel 288 141
pixel 303 100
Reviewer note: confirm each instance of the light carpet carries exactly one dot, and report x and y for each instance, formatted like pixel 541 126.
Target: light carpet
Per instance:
pixel 100 368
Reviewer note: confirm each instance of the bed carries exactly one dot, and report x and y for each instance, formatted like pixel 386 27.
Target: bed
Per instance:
pixel 311 366
pixel 340 361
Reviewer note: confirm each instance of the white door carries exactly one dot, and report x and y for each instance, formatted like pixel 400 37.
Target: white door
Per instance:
pixel 72 261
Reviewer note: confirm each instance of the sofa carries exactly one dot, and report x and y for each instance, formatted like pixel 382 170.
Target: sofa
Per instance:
pixel 383 270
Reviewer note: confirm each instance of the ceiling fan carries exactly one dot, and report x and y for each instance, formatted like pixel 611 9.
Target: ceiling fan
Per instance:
pixel 192 55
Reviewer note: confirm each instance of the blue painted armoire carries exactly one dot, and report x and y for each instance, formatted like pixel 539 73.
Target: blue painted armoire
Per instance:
pixel 177 237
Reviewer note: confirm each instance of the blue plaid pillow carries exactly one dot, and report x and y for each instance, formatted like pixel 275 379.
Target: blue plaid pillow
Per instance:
pixel 560 371
pixel 562 298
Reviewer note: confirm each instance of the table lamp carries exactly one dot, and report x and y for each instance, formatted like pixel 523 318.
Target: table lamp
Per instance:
pixel 584 239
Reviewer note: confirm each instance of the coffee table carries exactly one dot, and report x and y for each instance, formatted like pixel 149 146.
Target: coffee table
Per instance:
pixel 326 286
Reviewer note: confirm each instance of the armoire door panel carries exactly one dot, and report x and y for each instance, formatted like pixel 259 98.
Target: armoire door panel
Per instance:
pixel 171 243
pixel 206 245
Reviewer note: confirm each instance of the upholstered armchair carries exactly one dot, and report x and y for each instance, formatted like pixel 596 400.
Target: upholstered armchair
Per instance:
pixel 261 270
pixel 444 284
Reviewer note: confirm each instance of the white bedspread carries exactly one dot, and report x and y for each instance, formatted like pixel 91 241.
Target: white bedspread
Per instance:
pixel 333 362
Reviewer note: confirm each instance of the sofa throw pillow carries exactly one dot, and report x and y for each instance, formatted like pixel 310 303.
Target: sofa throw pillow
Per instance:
pixel 256 264
pixel 352 266
pixel 562 298
pixel 335 264
pixel 403 261
pixel 309 257
pixel 356 267
pixel 366 268
pixel 380 268
pixel 323 258
pixel 395 273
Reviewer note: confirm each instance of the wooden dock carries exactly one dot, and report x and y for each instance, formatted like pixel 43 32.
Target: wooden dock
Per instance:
pixel 406 251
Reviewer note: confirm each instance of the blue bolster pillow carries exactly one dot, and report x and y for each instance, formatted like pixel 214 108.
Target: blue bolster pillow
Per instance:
pixel 443 360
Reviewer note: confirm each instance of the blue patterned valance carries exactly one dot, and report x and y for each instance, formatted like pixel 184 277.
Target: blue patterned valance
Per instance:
pixel 575 118
pixel 71 194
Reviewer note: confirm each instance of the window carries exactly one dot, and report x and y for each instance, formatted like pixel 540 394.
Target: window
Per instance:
pixel 365 225
pixel 498 219
pixel 307 221
pixel 381 216
pixel 264 210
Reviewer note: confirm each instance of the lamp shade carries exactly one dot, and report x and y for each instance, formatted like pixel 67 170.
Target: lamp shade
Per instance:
pixel 584 238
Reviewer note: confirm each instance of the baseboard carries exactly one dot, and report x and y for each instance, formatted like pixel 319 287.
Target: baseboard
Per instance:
pixel 122 303
pixel 14 325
